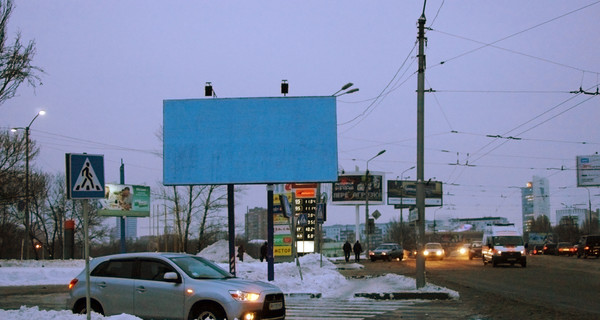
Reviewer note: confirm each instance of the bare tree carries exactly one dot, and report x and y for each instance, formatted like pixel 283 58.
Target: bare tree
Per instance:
pixel 15 58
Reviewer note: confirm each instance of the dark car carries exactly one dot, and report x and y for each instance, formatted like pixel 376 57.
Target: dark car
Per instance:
pixel 566 249
pixel 172 286
pixel 550 249
pixel 589 246
pixel 537 249
pixel 475 250
pixel 387 252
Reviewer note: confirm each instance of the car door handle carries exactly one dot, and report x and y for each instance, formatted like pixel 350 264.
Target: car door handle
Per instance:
pixel 140 289
pixel 101 284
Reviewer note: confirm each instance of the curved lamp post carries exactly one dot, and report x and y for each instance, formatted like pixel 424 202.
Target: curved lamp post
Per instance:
pixel 27 217
pixel 367 200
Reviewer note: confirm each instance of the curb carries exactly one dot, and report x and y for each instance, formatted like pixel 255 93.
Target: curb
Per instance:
pixel 405 296
pixel 307 295
pixel 41 289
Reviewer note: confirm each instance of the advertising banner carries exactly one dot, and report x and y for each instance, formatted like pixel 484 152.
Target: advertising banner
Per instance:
pixel 125 200
pixel 588 171
pixel 351 189
pixel 403 193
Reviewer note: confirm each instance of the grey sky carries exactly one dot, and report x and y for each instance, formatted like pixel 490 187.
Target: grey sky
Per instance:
pixel 110 64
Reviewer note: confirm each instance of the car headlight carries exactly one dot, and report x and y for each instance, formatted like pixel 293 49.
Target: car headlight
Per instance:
pixel 244 296
pixel 439 252
pixel 425 253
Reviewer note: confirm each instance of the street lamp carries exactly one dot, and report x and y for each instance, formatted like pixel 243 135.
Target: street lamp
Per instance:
pixel 367 199
pixel 27 231
pixel 589 211
pixel 345 87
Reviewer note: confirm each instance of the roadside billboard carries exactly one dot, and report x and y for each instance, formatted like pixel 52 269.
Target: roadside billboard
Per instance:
pixel 125 200
pixel 588 171
pixel 249 140
pixel 350 189
pixel 403 193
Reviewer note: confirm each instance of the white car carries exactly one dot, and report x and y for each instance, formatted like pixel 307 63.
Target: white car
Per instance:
pixel 434 250
pixel 172 286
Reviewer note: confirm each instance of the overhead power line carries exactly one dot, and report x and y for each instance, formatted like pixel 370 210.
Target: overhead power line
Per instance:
pixel 515 34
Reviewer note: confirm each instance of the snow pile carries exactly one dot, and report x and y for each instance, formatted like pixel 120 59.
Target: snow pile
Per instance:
pixel 39 272
pixel 34 313
pixel 325 280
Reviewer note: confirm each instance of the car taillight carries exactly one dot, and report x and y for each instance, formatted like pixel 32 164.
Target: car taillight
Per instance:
pixel 73 283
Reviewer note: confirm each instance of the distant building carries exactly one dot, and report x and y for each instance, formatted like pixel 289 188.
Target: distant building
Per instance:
pixel 535 201
pixel 474 224
pixel 341 233
pixel 256 224
pixel 574 216
pixel 130 228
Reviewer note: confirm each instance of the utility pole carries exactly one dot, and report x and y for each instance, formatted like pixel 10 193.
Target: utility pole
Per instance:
pixel 420 277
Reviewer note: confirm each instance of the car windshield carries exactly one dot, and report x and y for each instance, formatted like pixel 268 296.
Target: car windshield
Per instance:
pixel 433 246
pixel 508 240
pixel 200 268
pixel 385 247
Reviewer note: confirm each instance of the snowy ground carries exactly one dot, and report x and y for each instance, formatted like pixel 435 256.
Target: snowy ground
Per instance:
pixel 325 280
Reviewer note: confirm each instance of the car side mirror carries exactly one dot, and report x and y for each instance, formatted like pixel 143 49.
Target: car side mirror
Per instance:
pixel 172 277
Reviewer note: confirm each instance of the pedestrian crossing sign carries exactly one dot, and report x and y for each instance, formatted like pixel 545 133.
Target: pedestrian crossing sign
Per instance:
pixel 85 176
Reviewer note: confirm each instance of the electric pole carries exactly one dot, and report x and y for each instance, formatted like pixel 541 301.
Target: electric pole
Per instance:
pixel 420 277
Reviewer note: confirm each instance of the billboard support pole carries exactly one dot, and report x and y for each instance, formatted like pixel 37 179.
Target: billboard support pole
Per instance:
pixel 231 225
pixel 270 237
pixel 122 219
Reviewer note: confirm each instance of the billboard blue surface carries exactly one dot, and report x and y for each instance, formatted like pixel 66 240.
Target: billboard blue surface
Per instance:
pixel 249 140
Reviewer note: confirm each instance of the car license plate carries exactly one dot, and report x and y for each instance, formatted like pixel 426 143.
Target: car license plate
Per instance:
pixel 275 305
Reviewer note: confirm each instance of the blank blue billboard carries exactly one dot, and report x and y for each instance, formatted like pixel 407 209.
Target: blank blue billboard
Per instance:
pixel 249 140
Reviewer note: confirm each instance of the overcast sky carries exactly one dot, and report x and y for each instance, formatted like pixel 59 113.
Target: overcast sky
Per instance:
pixel 497 67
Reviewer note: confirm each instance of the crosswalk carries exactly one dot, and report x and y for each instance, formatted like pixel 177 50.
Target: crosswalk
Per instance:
pixel 346 309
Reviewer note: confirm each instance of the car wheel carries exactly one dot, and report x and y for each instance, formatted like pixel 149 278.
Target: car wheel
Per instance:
pixel 523 264
pixel 80 307
pixel 494 263
pixel 373 259
pixel 207 312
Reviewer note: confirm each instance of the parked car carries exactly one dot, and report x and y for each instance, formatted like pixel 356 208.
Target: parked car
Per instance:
pixel 434 250
pixel 537 249
pixel 566 249
pixel 387 252
pixel 475 250
pixel 589 246
pixel 550 248
pixel 173 286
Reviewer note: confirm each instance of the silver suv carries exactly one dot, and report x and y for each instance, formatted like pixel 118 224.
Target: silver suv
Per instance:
pixel 172 286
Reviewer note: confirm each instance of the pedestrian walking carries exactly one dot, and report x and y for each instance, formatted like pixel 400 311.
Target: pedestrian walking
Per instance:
pixel 263 251
pixel 241 252
pixel 347 249
pixel 357 250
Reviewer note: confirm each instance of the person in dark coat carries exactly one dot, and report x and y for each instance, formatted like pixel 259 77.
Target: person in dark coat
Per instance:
pixel 263 251
pixel 347 249
pixel 241 252
pixel 357 250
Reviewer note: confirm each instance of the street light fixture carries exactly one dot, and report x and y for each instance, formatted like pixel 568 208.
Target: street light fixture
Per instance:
pixel 345 87
pixel 367 199
pixel 27 217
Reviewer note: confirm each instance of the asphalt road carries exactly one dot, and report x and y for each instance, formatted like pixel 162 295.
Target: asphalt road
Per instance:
pixel 551 287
